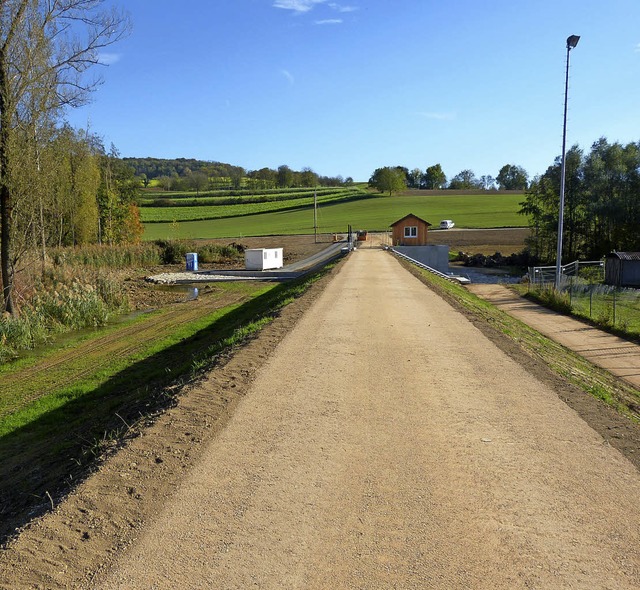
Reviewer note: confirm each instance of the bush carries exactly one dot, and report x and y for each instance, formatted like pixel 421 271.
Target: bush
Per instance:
pixel 172 251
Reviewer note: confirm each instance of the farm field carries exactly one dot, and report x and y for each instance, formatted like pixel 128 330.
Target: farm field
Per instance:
pixel 189 208
pixel 491 210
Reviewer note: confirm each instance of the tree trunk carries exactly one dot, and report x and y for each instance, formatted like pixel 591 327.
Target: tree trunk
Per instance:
pixel 6 205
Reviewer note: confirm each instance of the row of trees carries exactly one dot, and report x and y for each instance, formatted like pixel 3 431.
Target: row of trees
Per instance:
pixel 396 178
pixel 198 175
pixel 602 203
pixel 56 185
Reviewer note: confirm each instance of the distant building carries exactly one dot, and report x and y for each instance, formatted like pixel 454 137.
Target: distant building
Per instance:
pixel 622 269
pixel 409 231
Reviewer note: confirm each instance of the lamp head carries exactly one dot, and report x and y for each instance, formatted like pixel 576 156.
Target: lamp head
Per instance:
pixel 572 41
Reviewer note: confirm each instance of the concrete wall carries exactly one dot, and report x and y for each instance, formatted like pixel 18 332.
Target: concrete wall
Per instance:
pixel 434 256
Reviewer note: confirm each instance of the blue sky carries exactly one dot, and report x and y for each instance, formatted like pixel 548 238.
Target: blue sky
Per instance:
pixel 348 86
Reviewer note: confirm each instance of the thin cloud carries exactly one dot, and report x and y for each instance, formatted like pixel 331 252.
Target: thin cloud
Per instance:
pixel 637 48
pixel 298 6
pixel 108 59
pixel 438 116
pixel 329 21
pixel 341 8
pixel 289 76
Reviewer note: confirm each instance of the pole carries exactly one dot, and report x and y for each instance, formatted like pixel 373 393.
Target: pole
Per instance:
pixel 315 216
pixel 572 41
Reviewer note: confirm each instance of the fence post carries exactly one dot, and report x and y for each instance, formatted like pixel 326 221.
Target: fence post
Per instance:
pixel 591 301
pixel 614 308
pixel 571 292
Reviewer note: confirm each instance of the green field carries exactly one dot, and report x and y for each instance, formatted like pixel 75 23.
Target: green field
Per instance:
pixel 194 209
pixel 374 214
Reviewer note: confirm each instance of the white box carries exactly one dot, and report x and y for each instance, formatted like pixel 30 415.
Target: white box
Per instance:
pixel 263 258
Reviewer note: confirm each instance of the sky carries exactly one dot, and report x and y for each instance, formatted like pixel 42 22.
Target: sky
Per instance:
pixel 348 86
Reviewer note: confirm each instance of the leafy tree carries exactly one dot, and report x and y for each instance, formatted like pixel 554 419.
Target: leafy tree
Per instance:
pixel 388 179
pixel 434 177
pixel 265 178
pixel 308 178
pixel 464 180
pixel 414 178
pixel 602 209
pixel 116 200
pixel 197 181
pixel 236 174
pixel 488 182
pixel 512 177
pixel 285 176
pixel 45 48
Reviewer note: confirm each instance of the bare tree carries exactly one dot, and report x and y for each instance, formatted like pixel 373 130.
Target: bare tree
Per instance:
pixel 46 48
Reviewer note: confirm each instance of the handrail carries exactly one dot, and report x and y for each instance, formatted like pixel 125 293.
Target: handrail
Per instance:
pixel 452 278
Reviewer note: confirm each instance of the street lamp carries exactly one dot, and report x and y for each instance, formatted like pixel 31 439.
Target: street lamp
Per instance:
pixel 572 41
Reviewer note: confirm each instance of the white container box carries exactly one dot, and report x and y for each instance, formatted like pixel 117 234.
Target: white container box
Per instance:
pixel 263 258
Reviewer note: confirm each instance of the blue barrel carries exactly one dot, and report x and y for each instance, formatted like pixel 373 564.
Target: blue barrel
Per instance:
pixel 192 261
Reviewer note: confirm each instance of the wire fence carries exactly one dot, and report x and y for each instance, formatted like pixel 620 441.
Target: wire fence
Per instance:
pixel 607 305
pixel 582 287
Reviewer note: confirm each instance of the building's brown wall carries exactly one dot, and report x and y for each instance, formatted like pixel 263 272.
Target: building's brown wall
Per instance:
pixel 397 234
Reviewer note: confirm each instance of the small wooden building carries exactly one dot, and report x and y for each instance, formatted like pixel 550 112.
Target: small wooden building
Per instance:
pixel 409 231
pixel 622 269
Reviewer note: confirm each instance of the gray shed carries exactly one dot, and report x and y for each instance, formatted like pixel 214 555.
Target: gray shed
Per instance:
pixel 622 269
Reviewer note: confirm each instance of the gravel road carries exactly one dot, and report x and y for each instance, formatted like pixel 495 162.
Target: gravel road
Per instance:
pixel 387 443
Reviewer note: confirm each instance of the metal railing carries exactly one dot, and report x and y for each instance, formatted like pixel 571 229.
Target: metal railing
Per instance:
pixel 542 276
pixel 452 278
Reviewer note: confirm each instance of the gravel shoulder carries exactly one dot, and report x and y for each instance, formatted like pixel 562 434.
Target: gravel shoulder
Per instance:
pixel 405 450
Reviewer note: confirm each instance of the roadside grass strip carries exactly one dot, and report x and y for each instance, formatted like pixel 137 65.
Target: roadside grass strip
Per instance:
pixel 591 379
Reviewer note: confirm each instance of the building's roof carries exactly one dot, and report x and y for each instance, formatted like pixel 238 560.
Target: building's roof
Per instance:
pixel 625 255
pixel 410 215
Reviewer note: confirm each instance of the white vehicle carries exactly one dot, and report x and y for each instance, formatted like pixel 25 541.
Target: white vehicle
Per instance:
pixel 446 224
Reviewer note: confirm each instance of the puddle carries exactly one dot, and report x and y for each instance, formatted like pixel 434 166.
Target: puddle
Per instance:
pixel 190 292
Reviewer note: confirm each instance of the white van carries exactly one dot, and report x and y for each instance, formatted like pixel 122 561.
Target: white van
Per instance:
pixel 446 224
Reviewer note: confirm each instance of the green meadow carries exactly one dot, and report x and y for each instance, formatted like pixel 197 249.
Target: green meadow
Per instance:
pixel 376 213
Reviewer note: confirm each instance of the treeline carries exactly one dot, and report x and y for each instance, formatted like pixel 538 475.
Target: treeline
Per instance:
pixel 396 178
pixel 602 203
pixel 68 190
pixel 184 174
pixel 57 185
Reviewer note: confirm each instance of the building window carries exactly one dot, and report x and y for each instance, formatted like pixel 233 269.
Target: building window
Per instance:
pixel 411 231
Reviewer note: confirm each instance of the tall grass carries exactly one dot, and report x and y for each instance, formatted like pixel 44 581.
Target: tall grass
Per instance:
pixel 174 251
pixel 103 256
pixel 57 305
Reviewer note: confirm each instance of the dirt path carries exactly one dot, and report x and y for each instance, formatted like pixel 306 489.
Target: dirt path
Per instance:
pixel 618 356
pixel 394 456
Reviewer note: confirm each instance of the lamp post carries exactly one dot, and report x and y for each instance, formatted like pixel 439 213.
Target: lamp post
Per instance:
pixel 572 41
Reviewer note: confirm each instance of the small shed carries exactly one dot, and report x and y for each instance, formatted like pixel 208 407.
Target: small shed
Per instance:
pixel 409 231
pixel 622 269
pixel 263 258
